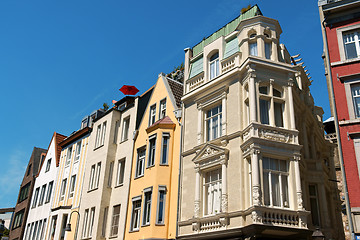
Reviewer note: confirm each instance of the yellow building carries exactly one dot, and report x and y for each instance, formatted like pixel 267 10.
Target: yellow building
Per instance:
pixel 153 196
pixel 68 184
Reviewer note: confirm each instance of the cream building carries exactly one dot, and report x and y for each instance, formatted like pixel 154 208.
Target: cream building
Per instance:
pixel 255 162
pixel 107 171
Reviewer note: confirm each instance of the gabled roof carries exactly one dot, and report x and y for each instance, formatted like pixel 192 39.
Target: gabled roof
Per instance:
pixel 75 136
pixel 58 139
pixel 176 89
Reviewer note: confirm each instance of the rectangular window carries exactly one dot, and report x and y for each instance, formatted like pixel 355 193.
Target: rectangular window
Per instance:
pixel 160 215
pixel 135 217
pixel 278 109
pixel 103 133
pixel 264 111
pixel 267 50
pixel 352 44
pixel 72 186
pixel 152 114
pixel 314 205
pixel 68 156
pixel 85 224
pixel 152 148
pixel 275 182
pixel 355 91
pixel 63 225
pixel 125 129
pixel 162 112
pixel 98 136
pixel 147 206
pixel 213 120
pixel 116 132
pixel 253 49
pixel 111 170
pixel 77 151
pixel 98 169
pixel 43 229
pixel 212 192
pixel 63 189
pixel 39 230
pixel 35 197
pixel 53 227
pixel 91 221
pixel 42 194
pixel 115 221
pixel 104 223
pixel 35 230
pixel 24 193
pixel 165 148
pixel 94 176
pixel 48 164
pixel 120 172
pixel 140 162
pixel 49 191
pixel 18 218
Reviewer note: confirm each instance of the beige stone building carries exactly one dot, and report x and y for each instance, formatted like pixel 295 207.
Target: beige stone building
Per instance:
pixel 107 172
pixel 255 161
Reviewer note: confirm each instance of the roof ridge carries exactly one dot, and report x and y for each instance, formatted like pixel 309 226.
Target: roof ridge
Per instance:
pixel 174 80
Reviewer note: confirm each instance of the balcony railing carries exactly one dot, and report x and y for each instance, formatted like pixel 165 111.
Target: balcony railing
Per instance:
pixel 270 133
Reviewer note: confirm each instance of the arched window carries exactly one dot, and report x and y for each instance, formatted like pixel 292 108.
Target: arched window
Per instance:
pixel 253 45
pixel 214 65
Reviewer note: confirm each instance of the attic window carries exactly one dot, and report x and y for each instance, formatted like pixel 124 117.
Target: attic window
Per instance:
pixel 122 106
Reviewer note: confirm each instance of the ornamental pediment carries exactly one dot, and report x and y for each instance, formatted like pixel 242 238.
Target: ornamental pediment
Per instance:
pixel 210 151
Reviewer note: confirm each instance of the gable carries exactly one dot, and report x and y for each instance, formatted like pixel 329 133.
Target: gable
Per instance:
pixel 210 155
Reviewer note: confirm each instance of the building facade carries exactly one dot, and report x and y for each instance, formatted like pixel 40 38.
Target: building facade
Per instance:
pixel 255 161
pixel 107 171
pixel 341 35
pixel 68 184
pixel 26 188
pixel 37 222
pixel 152 207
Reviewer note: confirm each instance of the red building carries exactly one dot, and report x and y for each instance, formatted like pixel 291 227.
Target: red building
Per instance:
pixel 341 33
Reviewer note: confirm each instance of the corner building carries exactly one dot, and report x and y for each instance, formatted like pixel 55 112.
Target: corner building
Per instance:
pixel 255 162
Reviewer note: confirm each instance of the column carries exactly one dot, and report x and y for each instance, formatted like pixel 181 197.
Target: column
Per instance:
pixel 274 50
pixel 291 105
pixel 298 182
pixel 199 130
pixel 197 193
pixel 271 112
pixel 256 191
pixel 261 47
pixel 252 99
pixel 223 103
pixel 224 196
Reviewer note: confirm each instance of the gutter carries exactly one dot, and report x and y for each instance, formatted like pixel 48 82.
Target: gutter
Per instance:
pixel 337 130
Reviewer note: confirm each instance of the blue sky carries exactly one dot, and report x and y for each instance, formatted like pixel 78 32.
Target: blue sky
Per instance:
pixel 60 60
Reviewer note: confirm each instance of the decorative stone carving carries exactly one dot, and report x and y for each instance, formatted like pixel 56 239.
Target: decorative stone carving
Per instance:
pixel 199 137
pixel 256 216
pixel 302 221
pixel 246 135
pixel 224 143
pixel 224 202
pixel 223 221
pixel 196 226
pixel 196 209
pixel 275 135
pixel 256 195
pixel 299 201
pixel 210 151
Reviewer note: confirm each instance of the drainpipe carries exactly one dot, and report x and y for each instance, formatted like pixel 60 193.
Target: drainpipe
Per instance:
pixel 337 130
pixel 180 165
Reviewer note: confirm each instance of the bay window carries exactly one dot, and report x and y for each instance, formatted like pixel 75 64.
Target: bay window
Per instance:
pixel 213 122
pixel 212 192
pixel 275 182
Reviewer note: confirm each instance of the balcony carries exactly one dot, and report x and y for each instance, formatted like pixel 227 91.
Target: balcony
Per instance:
pixel 276 134
pixel 226 65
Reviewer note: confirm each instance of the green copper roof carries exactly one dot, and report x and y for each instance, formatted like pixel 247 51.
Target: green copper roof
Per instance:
pixel 226 30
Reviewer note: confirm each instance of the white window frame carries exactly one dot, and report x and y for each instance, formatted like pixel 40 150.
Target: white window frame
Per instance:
pixel 115 221
pixel 42 195
pixel 49 192
pixel 63 189
pixel 100 135
pixel 271 101
pixel 68 156
pixel 152 114
pixel 165 155
pixel 125 129
pixel 103 133
pixel 77 151
pixel 213 184
pixel 209 123
pixel 161 209
pixel 146 218
pixel 120 172
pixel 116 131
pixel 151 151
pixel 136 211
pixel 340 37
pixel 91 221
pixel 85 223
pixel 48 164
pixel 162 110
pixel 104 223
pixel 253 48
pixel 139 171
pixel 284 197
pixel 111 172
pixel 214 68
pixel 37 190
pixel 72 186
pixel 94 176
pixel 267 49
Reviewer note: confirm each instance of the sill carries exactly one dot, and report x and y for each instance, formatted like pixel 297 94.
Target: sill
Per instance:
pixel 86 238
pixel 145 225
pixel 159 224
pixel 134 230
pixel 91 190
pixel 96 148
pixel 110 237
pixel 138 177
pixel 150 166
pixel 164 164
pixel 120 185
pixel 345 61
pixel 122 141
pixel 350 121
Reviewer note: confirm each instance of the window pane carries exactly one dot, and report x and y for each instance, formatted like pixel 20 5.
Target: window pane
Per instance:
pixel 266 188
pixel 264 111
pixel 350 50
pixel 285 194
pixel 253 49
pixel 263 90
pixel 267 50
pixel 278 115
pixel 275 189
pixel 160 217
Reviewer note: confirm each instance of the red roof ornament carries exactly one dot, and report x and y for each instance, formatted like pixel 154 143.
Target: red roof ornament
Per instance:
pixel 129 90
pixel 114 101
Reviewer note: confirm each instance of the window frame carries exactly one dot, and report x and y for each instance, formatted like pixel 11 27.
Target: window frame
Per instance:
pixel 209 129
pixel 49 191
pixel 316 197
pixel 151 151
pixel 72 185
pixel 205 198
pixel 120 172
pixel 115 223
pixel 139 172
pixel 48 165
pixel 63 189
pixel 35 198
pixel 77 151
pixel 146 216
pixel 271 99
pixel 162 108
pixel 42 195
pixel 136 210
pixel 152 114
pixel 164 190
pixel 68 156
pixel 125 129
pixel 214 63
pixel 340 37
pixel 165 135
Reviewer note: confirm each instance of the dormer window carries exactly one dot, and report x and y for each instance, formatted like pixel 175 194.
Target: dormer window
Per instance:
pixel 214 65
